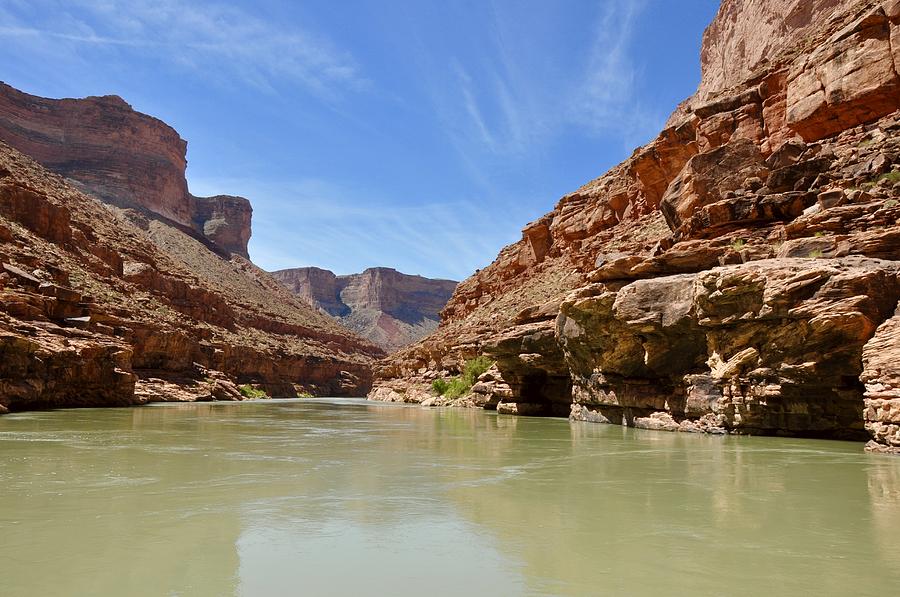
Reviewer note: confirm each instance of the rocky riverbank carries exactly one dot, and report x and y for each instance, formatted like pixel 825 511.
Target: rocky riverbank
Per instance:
pixel 737 274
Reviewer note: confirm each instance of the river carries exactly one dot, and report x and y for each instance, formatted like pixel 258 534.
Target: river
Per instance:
pixel 348 497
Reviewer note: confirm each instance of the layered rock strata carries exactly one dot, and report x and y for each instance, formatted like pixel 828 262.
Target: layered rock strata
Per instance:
pixel 103 306
pixel 737 274
pixel 389 308
pixel 122 156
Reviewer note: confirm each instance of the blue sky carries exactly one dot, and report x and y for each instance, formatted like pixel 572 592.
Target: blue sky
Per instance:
pixel 411 134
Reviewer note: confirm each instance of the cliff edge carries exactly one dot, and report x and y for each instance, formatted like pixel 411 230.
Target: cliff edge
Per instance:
pixel 107 149
pixel 118 287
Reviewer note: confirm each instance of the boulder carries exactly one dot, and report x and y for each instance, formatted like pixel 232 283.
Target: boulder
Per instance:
pixel 708 176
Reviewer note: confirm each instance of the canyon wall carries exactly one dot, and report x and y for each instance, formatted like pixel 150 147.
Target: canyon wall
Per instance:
pixel 146 295
pixel 389 308
pixel 122 156
pixel 737 274
pixel 746 34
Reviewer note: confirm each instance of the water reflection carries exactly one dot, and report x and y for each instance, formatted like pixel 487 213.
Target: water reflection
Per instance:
pixel 347 497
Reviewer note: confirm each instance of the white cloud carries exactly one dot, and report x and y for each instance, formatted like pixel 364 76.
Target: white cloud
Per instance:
pixel 212 40
pixel 511 98
pixel 606 99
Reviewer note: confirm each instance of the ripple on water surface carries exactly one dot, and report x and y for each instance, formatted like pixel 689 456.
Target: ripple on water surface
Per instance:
pixel 347 497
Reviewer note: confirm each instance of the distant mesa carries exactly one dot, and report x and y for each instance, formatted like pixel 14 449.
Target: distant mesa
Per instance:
pixel 387 307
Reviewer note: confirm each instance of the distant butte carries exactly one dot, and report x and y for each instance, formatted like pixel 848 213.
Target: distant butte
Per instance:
pixel 381 304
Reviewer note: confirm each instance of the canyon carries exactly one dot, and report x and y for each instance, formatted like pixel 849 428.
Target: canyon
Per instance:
pixel 737 274
pixel 385 306
pixel 740 273
pixel 119 287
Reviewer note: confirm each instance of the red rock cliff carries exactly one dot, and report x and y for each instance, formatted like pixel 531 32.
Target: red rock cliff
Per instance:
pixel 123 157
pixel 389 308
pixel 737 274
pixel 747 34
pixel 147 295
pixel 102 306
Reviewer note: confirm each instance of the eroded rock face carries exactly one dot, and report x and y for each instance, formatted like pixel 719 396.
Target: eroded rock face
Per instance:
pixel 708 176
pixel 101 306
pixel 881 376
pixel 121 156
pixel 737 274
pixel 389 308
pixel 767 346
pixel 225 220
pixel 746 34
pixel 850 79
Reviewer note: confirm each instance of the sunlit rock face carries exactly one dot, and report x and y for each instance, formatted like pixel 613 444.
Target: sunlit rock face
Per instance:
pixel 121 156
pixel 381 304
pixel 736 274
pixel 746 34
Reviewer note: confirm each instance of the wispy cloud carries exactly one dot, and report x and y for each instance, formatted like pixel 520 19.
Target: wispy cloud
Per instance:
pixel 316 222
pixel 212 40
pixel 606 98
pixel 87 39
pixel 508 99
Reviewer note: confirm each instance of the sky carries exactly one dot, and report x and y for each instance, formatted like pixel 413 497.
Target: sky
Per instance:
pixel 419 135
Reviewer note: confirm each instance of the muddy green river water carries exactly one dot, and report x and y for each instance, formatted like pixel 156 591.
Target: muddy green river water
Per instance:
pixel 346 497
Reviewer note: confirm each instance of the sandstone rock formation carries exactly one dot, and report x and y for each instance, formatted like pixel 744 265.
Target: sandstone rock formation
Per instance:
pixel 104 305
pixel 389 308
pixel 737 274
pixel 124 157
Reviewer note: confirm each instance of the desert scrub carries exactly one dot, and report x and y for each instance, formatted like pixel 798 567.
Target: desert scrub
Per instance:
pixel 248 391
pixel 816 254
pixel 890 177
pixel 459 386
pixel 440 386
pixel 738 244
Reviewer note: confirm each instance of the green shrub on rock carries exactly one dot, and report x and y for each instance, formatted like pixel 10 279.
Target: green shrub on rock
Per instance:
pixel 474 368
pixel 458 387
pixel 248 391
pixel 440 386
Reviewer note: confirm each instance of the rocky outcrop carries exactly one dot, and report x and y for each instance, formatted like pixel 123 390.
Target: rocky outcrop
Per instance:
pixel 771 346
pixel 381 304
pixel 851 78
pixel 747 34
pixel 103 306
pixel 737 274
pixel 225 220
pixel 881 376
pixel 121 156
